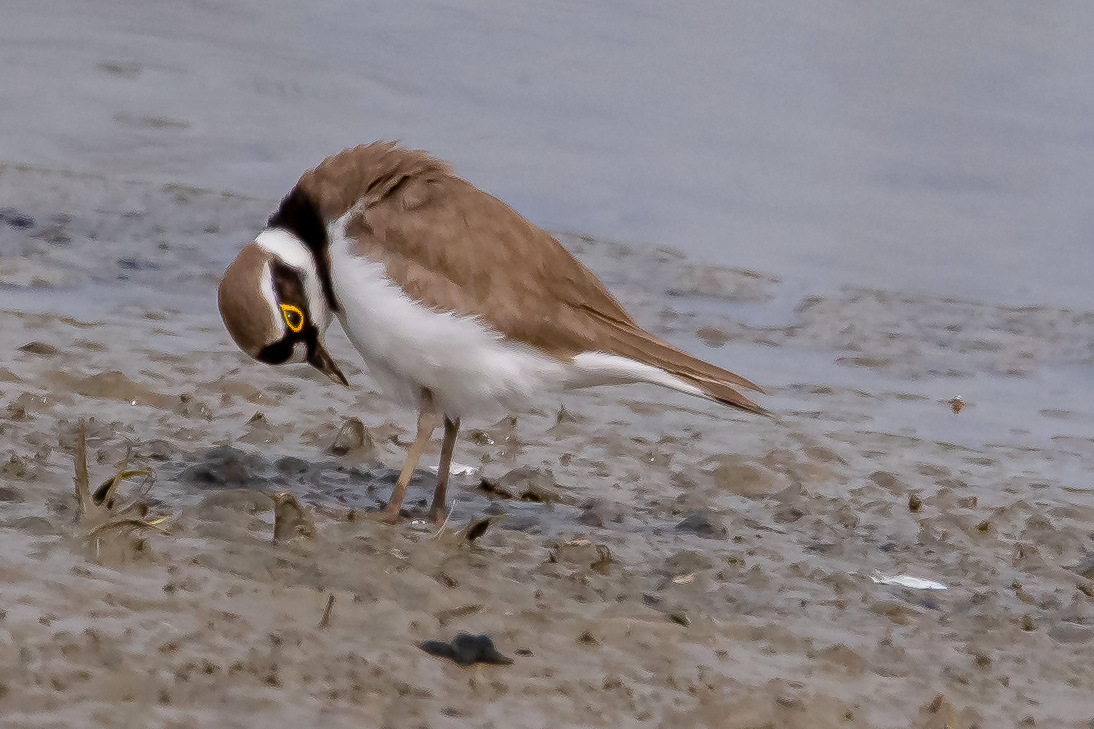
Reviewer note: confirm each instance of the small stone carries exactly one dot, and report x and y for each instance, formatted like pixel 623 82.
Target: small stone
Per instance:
pixel 290 521
pixel 466 649
pixel 447 580
pixel 528 484
pixel 888 481
pixel 158 450
pixel 478 527
pixel 703 524
pixel 788 515
pixel 15 219
pixel 712 336
pixel 1065 632
pixel 55 234
pixel 292 466
pixel 734 474
pixel 686 562
pixel 915 503
pixel 11 495
pixel 599 512
pixel 40 348
pixel 223 467
pixel 137 264
pixel 581 553
pixel 353 438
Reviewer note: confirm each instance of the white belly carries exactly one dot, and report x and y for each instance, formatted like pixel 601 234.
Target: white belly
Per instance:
pixel 469 368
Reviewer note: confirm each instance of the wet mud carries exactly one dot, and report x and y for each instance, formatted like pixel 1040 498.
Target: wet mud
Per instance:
pixel 645 559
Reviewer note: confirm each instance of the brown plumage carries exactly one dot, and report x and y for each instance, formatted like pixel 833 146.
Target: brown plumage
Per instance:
pixel 454 247
pixel 441 246
pixel 252 327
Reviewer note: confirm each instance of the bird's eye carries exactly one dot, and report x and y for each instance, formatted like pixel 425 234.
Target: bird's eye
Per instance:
pixel 293 317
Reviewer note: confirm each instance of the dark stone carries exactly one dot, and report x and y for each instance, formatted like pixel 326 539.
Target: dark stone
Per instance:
pixel 14 218
pixel 39 348
pixel 527 484
pixel 788 515
pixel 292 466
pixel 223 467
pixel 703 524
pixel 11 495
pixel 55 234
pixel 136 264
pixel 598 512
pixel 466 649
pixel 477 528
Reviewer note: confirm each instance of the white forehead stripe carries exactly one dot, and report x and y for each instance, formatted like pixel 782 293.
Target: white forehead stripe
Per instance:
pixel 287 247
pixel 290 250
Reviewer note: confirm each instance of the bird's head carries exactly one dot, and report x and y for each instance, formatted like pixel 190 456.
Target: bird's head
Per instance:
pixel 272 303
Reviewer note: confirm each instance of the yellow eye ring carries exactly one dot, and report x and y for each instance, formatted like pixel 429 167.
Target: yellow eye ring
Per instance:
pixel 293 317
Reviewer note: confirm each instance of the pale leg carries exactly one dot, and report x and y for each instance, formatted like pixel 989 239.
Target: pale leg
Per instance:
pixel 438 511
pixel 427 423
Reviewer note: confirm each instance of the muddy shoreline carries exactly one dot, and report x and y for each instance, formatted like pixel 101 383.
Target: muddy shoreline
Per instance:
pixel 660 562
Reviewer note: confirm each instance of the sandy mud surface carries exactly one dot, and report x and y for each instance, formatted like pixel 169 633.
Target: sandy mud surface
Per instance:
pixel 652 560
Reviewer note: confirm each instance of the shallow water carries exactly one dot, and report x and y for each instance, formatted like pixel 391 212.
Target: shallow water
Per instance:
pixel 926 147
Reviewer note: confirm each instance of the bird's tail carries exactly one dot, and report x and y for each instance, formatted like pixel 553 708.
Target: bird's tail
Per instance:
pixel 681 371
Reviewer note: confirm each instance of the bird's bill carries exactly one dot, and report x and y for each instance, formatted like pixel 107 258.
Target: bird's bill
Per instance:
pixel 320 359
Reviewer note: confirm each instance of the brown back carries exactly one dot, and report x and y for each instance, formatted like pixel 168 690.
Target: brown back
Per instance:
pixel 453 247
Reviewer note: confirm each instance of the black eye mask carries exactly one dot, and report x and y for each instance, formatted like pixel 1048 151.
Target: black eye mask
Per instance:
pixel 293 302
pixel 292 299
pixel 290 290
pixel 278 352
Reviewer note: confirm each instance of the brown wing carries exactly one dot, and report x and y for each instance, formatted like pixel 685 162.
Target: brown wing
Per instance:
pixel 452 246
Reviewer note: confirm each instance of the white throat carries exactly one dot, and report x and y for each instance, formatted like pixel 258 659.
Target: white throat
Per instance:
pixel 292 251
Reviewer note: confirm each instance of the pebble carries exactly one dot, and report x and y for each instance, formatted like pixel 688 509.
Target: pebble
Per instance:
pixel 598 512
pixel 466 649
pixel 352 439
pixel 703 524
pixel 39 348
pixel 15 219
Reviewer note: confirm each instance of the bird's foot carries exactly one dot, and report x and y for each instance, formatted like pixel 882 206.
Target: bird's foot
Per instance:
pixel 390 515
pixel 438 515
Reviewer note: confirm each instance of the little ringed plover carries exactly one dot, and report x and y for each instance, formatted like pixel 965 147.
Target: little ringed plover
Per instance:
pixel 457 304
